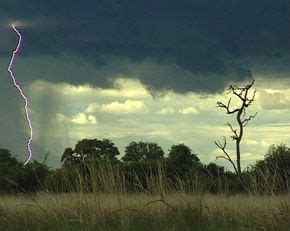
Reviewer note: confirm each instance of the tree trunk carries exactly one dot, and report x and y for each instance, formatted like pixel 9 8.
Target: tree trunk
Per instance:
pixel 238 157
pixel 238 142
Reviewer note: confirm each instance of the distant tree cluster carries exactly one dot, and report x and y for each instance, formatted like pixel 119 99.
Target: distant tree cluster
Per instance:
pixel 142 159
pixel 14 177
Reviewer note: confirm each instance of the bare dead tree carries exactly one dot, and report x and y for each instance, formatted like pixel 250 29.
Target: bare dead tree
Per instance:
pixel 246 99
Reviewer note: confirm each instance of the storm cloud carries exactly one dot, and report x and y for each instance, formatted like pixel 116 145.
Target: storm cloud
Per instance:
pixel 178 45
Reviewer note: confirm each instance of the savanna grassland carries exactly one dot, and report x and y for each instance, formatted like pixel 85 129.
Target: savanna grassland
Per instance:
pixel 176 211
pixel 104 197
pixel 176 192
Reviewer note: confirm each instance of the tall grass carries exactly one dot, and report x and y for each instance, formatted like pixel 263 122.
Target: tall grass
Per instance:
pixel 105 196
pixel 105 177
pixel 178 211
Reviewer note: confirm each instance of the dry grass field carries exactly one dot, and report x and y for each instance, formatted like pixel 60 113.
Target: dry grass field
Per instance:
pixel 178 211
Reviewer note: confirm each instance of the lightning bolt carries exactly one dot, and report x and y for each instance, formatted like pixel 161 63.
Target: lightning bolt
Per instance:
pixel 16 84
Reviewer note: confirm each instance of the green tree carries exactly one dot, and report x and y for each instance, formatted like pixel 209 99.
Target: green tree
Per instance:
pixel 68 156
pixel 214 169
pixel 9 169
pixel 14 177
pixel 279 154
pixel 32 177
pixel 138 151
pixel 90 149
pixel 6 158
pixel 271 174
pixel 181 160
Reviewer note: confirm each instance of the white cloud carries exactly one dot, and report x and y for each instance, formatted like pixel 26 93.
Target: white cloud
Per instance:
pixel 61 118
pixel 188 110
pixel 92 119
pixel 274 99
pixel 129 88
pixel 128 107
pixel 79 118
pixel 92 108
pixel 166 111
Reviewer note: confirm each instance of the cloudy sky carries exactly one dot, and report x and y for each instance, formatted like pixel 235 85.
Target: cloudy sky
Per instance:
pixel 150 70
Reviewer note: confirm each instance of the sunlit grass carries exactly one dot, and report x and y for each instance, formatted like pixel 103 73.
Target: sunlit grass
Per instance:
pixel 104 201
pixel 178 211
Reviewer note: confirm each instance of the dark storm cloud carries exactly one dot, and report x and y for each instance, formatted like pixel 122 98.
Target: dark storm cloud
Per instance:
pixel 192 39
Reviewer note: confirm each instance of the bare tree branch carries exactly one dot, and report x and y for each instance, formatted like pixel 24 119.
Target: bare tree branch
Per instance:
pixel 246 121
pixel 227 107
pixel 235 136
pixel 227 156
pixel 233 88
pixel 242 93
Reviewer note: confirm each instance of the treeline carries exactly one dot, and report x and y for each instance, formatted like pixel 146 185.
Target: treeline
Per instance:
pixel 93 166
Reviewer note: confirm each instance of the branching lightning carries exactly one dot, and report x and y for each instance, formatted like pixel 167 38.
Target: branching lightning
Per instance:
pixel 16 84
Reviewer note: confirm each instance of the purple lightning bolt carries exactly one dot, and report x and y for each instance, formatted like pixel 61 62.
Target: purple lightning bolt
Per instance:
pixel 10 69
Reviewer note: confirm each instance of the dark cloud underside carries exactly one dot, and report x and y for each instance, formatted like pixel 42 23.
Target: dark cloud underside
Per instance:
pixel 197 37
